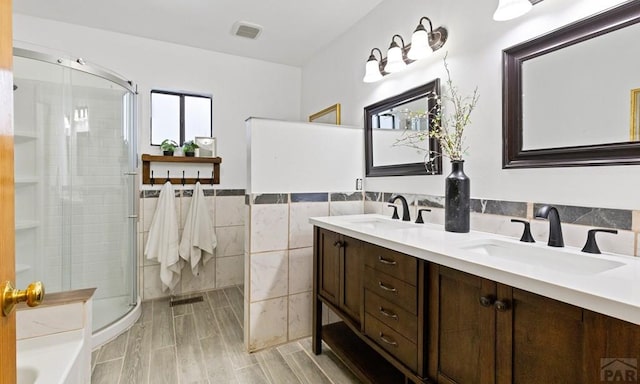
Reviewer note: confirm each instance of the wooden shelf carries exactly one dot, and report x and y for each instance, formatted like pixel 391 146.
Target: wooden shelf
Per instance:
pixel 148 159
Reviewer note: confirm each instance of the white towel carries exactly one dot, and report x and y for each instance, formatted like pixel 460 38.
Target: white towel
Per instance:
pixel 198 239
pixel 162 244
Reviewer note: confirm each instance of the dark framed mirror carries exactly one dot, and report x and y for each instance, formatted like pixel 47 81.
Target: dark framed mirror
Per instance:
pixel 389 120
pixel 567 94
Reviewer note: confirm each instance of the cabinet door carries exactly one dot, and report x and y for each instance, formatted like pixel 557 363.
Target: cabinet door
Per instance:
pixel 612 349
pixel 462 327
pixel 351 278
pixel 539 340
pixel 329 250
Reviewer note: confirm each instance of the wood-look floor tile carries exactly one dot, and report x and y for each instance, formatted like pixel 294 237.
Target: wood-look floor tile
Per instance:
pixel 275 367
pixel 136 361
pixel 233 335
pixel 306 369
pixel 237 303
pixel 330 364
pixel 94 358
pixel 217 299
pixel 206 325
pixel 182 309
pixel 115 349
pixel 191 367
pixel 163 367
pixel 146 315
pixel 251 375
pixel 107 372
pixel 288 348
pixel 162 331
pixel 216 360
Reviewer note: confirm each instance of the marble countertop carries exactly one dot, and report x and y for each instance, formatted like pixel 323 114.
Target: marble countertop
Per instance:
pixel 614 291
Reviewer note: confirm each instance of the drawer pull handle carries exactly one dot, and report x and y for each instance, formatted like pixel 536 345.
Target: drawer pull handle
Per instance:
pixel 387 288
pixel 386 261
pixel 388 341
pixel 388 313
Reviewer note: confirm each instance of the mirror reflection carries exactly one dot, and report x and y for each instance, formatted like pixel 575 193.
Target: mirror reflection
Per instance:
pixel 388 121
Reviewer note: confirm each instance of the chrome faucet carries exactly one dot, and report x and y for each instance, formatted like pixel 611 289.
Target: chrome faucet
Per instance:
pixel 405 206
pixel 555 229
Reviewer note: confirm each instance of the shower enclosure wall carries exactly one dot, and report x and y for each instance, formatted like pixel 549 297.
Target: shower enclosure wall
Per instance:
pixel 75 181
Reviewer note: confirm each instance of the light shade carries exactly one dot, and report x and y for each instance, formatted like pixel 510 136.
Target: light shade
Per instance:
pixel 419 44
pixel 372 71
pixel 510 9
pixel 395 59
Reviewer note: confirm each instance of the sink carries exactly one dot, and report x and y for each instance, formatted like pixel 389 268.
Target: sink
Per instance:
pixel 27 375
pixel 544 257
pixel 377 223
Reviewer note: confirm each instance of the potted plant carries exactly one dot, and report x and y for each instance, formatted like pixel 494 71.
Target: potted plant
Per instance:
pixel 168 146
pixel 189 148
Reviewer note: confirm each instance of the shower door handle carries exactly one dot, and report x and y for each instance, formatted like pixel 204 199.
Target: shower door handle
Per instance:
pixel 131 173
pixel 132 216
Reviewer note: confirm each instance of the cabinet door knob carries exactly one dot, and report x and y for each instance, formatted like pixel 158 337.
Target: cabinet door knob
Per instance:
pixel 388 313
pixel 386 261
pixel 501 306
pixel 486 301
pixel 387 288
pixel 338 244
pixel 388 340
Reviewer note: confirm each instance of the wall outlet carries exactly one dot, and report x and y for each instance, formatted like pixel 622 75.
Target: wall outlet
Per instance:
pixel 358 184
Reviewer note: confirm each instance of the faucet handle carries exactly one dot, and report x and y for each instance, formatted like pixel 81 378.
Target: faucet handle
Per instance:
pixel 395 211
pixel 591 246
pixel 419 218
pixel 526 235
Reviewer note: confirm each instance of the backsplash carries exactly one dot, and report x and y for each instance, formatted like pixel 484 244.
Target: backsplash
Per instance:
pixel 225 269
pixel 494 216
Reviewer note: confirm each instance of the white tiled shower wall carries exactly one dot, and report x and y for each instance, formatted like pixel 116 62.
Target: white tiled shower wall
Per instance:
pixel 225 269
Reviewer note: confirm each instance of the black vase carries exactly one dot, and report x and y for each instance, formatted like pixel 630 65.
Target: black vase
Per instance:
pixel 457 199
pixel 167 153
pixel 189 154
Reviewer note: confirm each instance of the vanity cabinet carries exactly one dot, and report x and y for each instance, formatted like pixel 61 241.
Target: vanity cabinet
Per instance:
pixel 486 332
pixel 406 320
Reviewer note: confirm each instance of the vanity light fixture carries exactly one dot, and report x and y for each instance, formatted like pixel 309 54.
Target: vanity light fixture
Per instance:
pixel 510 9
pixel 373 71
pixel 423 43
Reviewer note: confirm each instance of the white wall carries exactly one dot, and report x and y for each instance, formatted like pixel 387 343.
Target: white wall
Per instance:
pixel 303 157
pixel 474 49
pixel 240 87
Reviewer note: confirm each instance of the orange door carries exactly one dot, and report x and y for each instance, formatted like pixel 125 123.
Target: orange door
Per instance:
pixel 7 225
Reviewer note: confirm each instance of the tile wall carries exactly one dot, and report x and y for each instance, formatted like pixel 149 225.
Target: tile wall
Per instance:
pixel 226 207
pixel 279 262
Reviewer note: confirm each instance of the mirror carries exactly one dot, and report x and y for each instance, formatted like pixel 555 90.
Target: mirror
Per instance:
pixel 388 121
pixel 567 94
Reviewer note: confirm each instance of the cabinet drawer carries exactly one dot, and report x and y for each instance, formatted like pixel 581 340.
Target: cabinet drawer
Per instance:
pixel 392 289
pixel 391 341
pixel 391 315
pixel 393 263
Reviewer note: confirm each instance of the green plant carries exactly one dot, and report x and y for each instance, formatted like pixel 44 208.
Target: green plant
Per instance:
pixel 168 145
pixel 189 146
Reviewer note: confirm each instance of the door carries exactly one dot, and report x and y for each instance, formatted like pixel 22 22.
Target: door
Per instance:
pixel 351 277
pixel 330 248
pixel 7 223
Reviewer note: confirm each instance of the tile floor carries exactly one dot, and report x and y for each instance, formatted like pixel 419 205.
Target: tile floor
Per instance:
pixel 202 343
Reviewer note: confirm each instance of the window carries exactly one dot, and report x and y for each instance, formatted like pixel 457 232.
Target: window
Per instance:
pixel 180 116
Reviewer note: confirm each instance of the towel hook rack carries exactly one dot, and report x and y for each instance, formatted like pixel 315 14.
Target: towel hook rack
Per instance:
pixel 213 162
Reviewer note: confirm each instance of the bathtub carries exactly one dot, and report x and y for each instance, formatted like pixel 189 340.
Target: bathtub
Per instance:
pixel 51 359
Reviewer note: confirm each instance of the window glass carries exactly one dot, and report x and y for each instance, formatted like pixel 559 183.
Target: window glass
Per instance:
pixel 197 117
pixel 179 116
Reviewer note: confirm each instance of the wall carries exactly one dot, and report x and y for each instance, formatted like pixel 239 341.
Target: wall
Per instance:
pixel 240 87
pixel 474 49
pixel 297 171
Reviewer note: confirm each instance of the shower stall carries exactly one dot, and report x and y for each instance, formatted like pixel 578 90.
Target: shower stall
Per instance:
pixel 75 183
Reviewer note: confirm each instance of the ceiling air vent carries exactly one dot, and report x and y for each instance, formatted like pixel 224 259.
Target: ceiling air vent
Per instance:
pixel 248 30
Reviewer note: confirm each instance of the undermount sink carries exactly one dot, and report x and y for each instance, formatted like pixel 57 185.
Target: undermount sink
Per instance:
pixel 378 223
pixel 545 257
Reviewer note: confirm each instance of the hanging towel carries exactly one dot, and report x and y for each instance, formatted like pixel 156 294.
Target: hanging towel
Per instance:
pixel 198 239
pixel 162 244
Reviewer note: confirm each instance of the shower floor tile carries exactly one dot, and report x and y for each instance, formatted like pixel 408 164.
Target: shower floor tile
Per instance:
pixel 202 343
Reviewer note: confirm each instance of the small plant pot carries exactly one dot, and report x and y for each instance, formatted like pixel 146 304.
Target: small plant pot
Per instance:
pixel 167 153
pixel 190 154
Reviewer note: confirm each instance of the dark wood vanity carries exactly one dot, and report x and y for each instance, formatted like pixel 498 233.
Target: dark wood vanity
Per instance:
pixel 406 320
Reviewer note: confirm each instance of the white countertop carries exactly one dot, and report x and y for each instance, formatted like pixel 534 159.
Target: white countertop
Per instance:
pixel 614 292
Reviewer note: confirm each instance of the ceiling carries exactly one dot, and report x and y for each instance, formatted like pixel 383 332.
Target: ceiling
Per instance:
pixel 293 30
